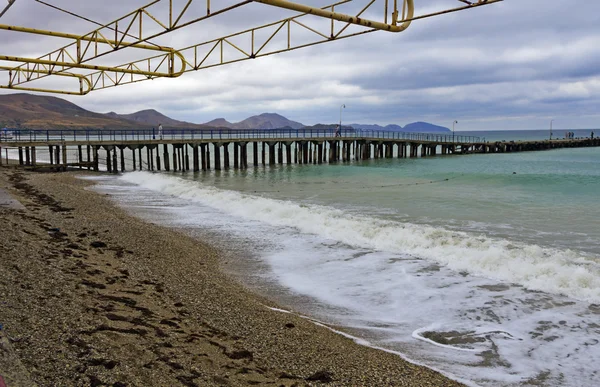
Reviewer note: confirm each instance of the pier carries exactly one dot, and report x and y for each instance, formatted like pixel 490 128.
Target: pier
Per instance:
pixel 203 150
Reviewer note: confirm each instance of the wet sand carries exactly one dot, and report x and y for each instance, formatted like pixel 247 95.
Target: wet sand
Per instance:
pixel 90 296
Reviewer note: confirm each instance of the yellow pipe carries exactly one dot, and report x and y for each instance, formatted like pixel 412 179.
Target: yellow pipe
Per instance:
pixel 41 90
pixel 81 78
pixel 88 38
pixel 395 25
pixel 342 17
pixel 96 67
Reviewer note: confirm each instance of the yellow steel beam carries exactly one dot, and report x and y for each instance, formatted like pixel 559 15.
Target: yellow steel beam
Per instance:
pixel 136 16
pixel 85 86
pixel 62 60
pixel 306 9
pixel 99 45
pixel 210 53
pixel 55 66
pixel 213 52
pixel 93 37
pixel 75 54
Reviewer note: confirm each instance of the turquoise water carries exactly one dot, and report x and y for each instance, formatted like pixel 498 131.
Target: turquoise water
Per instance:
pixel 548 197
pixel 501 249
pixel 527 135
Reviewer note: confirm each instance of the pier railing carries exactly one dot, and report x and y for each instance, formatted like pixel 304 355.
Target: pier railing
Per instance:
pixel 100 135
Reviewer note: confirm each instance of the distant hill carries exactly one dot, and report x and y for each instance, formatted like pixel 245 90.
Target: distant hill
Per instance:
pixel 424 127
pixel 262 121
pixel 219 123
pixel 151 117
pixel 418 127
pixel 46 112
pixel 391 127
pixel 328 126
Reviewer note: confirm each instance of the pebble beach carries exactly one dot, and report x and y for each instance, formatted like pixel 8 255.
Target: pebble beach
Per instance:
pixel 91 296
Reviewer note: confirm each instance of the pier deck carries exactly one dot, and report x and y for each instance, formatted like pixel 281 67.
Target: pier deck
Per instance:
pixel 131 150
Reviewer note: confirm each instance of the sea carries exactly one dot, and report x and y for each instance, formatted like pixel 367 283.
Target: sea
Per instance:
pixel 485 267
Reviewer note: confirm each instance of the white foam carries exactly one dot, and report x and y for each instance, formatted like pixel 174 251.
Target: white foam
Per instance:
pixel 418 334
pixel 366 343
pixel 387 300
pixel 537 268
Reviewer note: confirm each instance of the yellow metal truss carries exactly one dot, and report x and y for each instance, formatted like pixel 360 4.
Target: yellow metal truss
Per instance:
pixel 85 85
pixel 131 32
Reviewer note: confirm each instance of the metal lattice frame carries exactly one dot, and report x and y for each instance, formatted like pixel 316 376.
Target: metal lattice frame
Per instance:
pixel 131 32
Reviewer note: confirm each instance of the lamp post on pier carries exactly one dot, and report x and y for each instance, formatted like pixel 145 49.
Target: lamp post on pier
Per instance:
pixel 455 122
pixel 339 131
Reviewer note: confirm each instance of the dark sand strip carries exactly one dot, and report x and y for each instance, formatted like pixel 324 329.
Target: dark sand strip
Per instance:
pixel 92 296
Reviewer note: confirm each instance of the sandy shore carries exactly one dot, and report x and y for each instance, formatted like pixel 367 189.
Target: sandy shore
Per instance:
pixel 90 296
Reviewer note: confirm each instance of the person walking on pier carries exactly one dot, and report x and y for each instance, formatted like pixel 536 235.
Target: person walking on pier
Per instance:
pixel 592 135
pixel 160 131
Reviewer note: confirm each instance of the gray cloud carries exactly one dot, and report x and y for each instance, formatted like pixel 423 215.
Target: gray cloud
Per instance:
pixel 511 65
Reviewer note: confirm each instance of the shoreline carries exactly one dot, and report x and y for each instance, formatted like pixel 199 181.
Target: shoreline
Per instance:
pixel 96 296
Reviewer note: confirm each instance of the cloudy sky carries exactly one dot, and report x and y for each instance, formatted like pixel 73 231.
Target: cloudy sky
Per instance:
pixel 511 65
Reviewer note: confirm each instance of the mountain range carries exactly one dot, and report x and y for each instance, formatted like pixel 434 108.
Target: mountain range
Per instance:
pixel 47 112
pixel 262 121
pixel 44 112
pixel 416 127
pixel 151 117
